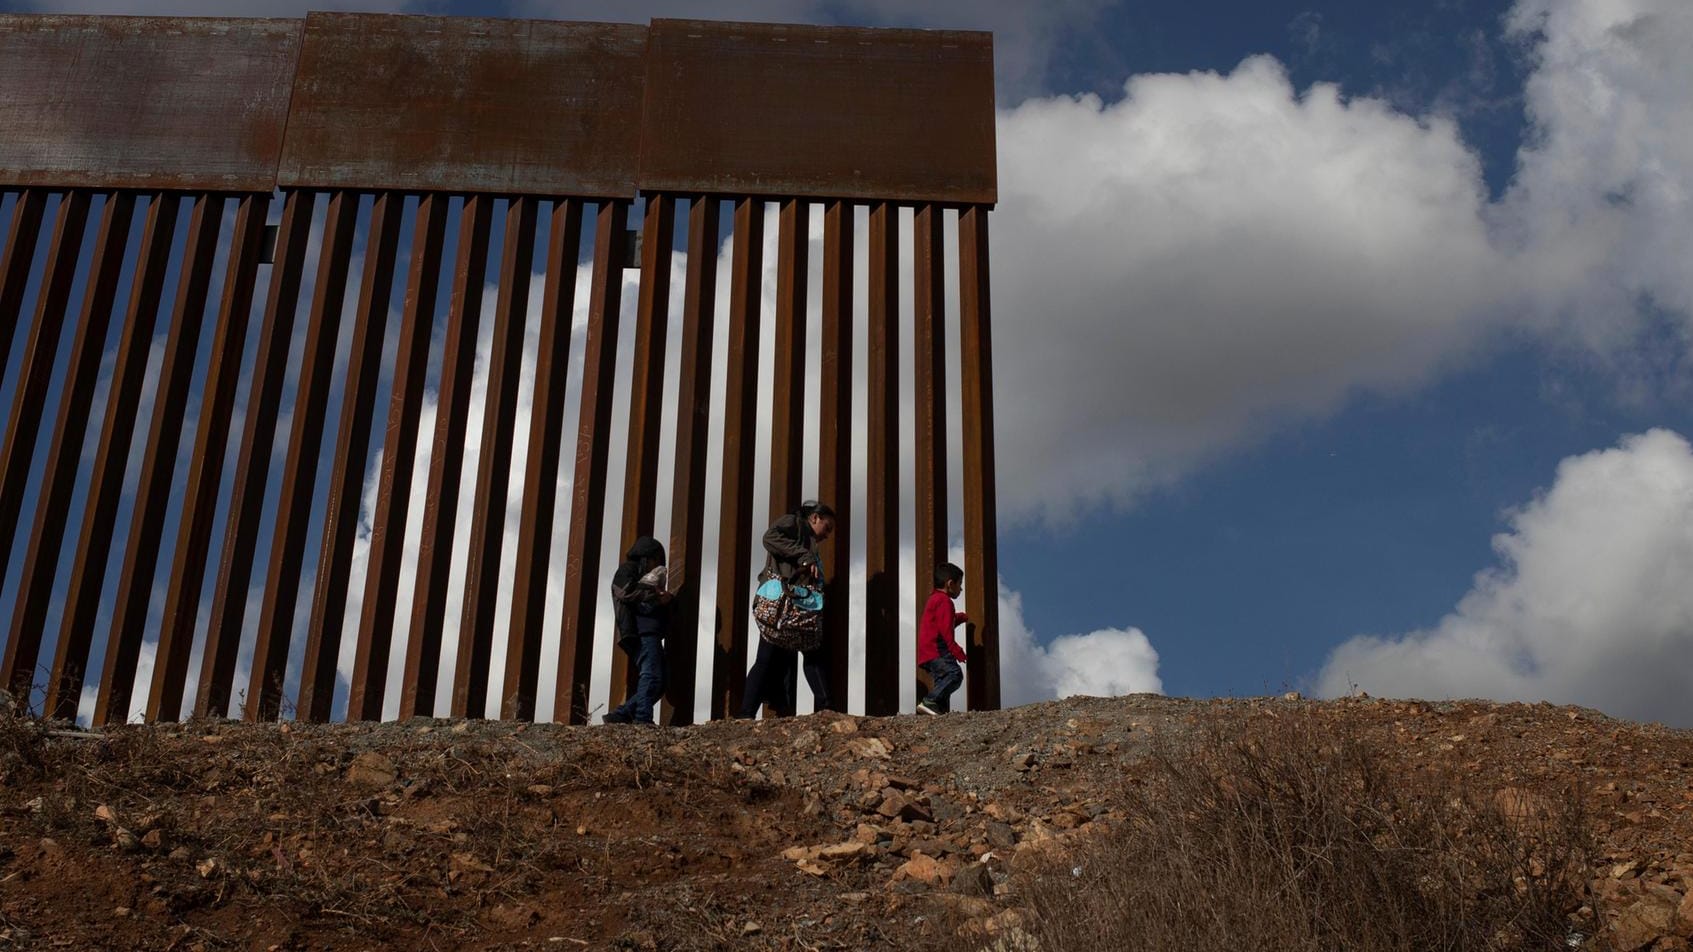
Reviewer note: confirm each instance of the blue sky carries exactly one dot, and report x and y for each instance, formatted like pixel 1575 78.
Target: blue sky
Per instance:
pixel 1323 321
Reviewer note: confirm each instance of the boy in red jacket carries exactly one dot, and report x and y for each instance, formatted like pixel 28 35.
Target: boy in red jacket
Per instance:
pixel 937 651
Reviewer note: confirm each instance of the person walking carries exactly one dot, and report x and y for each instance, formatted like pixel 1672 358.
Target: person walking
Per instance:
pixel 640 607
pixel 791 546
pixel 938 651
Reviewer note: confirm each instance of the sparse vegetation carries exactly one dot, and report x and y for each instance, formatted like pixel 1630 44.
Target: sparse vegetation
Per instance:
pixel 1283 832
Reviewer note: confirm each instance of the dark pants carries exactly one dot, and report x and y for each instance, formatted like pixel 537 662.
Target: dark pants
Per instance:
pixel 773 681
pixel 648 658
pixel 946 677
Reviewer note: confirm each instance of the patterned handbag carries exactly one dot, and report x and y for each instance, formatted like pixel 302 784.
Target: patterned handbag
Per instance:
pixel 789 615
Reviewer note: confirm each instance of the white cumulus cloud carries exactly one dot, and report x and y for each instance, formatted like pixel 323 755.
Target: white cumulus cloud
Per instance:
pixel 1589 603
pixel 1210 255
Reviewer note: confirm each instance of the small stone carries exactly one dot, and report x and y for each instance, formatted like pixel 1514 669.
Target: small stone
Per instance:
pixel 925 869
pixel 121 912
pixel 806 741
pixel 206 868
pixel 581 831
pixel 180 854
pixel 751 928
pixel 844 725
pixel 106 814
pixel 154 840
pixel 973 880
pixel 371 769
pixel 854 897
pixel 540 790
pixel 126 841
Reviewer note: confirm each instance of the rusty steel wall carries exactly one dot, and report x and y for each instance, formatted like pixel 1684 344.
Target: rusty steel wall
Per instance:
pixel 230 223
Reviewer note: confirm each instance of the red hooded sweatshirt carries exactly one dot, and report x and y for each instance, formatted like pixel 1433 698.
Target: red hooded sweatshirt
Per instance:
pixel 935 629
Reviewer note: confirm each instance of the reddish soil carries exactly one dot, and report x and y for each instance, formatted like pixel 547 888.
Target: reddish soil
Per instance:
pixel 436 834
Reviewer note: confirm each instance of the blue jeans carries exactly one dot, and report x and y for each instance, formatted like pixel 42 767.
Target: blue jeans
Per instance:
pixel 947 677
pixel 648 658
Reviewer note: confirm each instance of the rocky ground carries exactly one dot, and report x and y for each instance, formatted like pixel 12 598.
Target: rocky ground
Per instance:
pixel 819 832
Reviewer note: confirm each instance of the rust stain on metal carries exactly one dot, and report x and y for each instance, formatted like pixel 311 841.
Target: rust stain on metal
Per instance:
pixel 834 466
pixel 205 472
pixel 882 663
pixel 822 112
pixel 52 506
pixel 456 104
pixel 252 472
pixel 105 488
pixel 399 454
pixel 693 423
pixel 153 491
pixel 352 445
pixel 22 233
pixel 35 374
pixel 446 460
pixel 144 102
pixel 546 444
pixel 646 398
pixel 299 468
pixel 981 554
pixel 740 434
pixel 587 488
pixel 493 477
pixel 929 353
pixel 787 402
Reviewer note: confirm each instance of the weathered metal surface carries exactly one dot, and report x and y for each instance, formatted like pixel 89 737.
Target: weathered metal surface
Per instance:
pixel 252 471
pixel 493 477
pixel 456 104
pixel 824 112
pixel 144 102
pixel 105 487
pixel 981 554
pixel 834 465
pixel 199 501
pixel 76 395
pixel 928 281
pixel 882 663
pixel 593 448
pixel 352 446
pixel 499 108
pixel 446 461
pixel 787 401
pixel 740 437
pixel 153 487
pixel 299 468
pixel 687 488
pixel 646 397
pixel 29 393
pixel 546 444
pixel 399 455
pixel 22 233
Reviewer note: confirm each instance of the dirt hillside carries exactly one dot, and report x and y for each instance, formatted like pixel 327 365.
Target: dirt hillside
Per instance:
pixel 818 832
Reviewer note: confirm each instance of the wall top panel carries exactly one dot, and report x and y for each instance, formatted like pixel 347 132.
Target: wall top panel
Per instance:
pixel 473 105
pixel 819 112
pixel 144 102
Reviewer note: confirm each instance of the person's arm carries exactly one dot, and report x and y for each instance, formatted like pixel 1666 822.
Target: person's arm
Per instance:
pixel 782 541
pixel 952 642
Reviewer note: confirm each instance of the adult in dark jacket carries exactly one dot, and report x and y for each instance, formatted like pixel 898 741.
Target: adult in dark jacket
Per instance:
pixel 640 607
pixel 791 547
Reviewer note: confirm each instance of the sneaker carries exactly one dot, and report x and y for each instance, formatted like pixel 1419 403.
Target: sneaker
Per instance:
pixel 616 717
pixel 924 708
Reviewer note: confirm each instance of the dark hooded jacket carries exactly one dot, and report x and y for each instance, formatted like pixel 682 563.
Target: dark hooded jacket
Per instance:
pixel 638 609
pixel 792 547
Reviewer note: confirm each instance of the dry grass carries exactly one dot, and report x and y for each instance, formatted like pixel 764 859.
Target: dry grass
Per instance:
pixel 1277 833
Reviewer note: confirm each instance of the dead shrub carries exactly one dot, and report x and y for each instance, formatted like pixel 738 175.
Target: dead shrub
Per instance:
pixel 1283 832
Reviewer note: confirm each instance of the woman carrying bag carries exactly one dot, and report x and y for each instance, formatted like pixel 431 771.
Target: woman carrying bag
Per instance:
pixel 788 608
